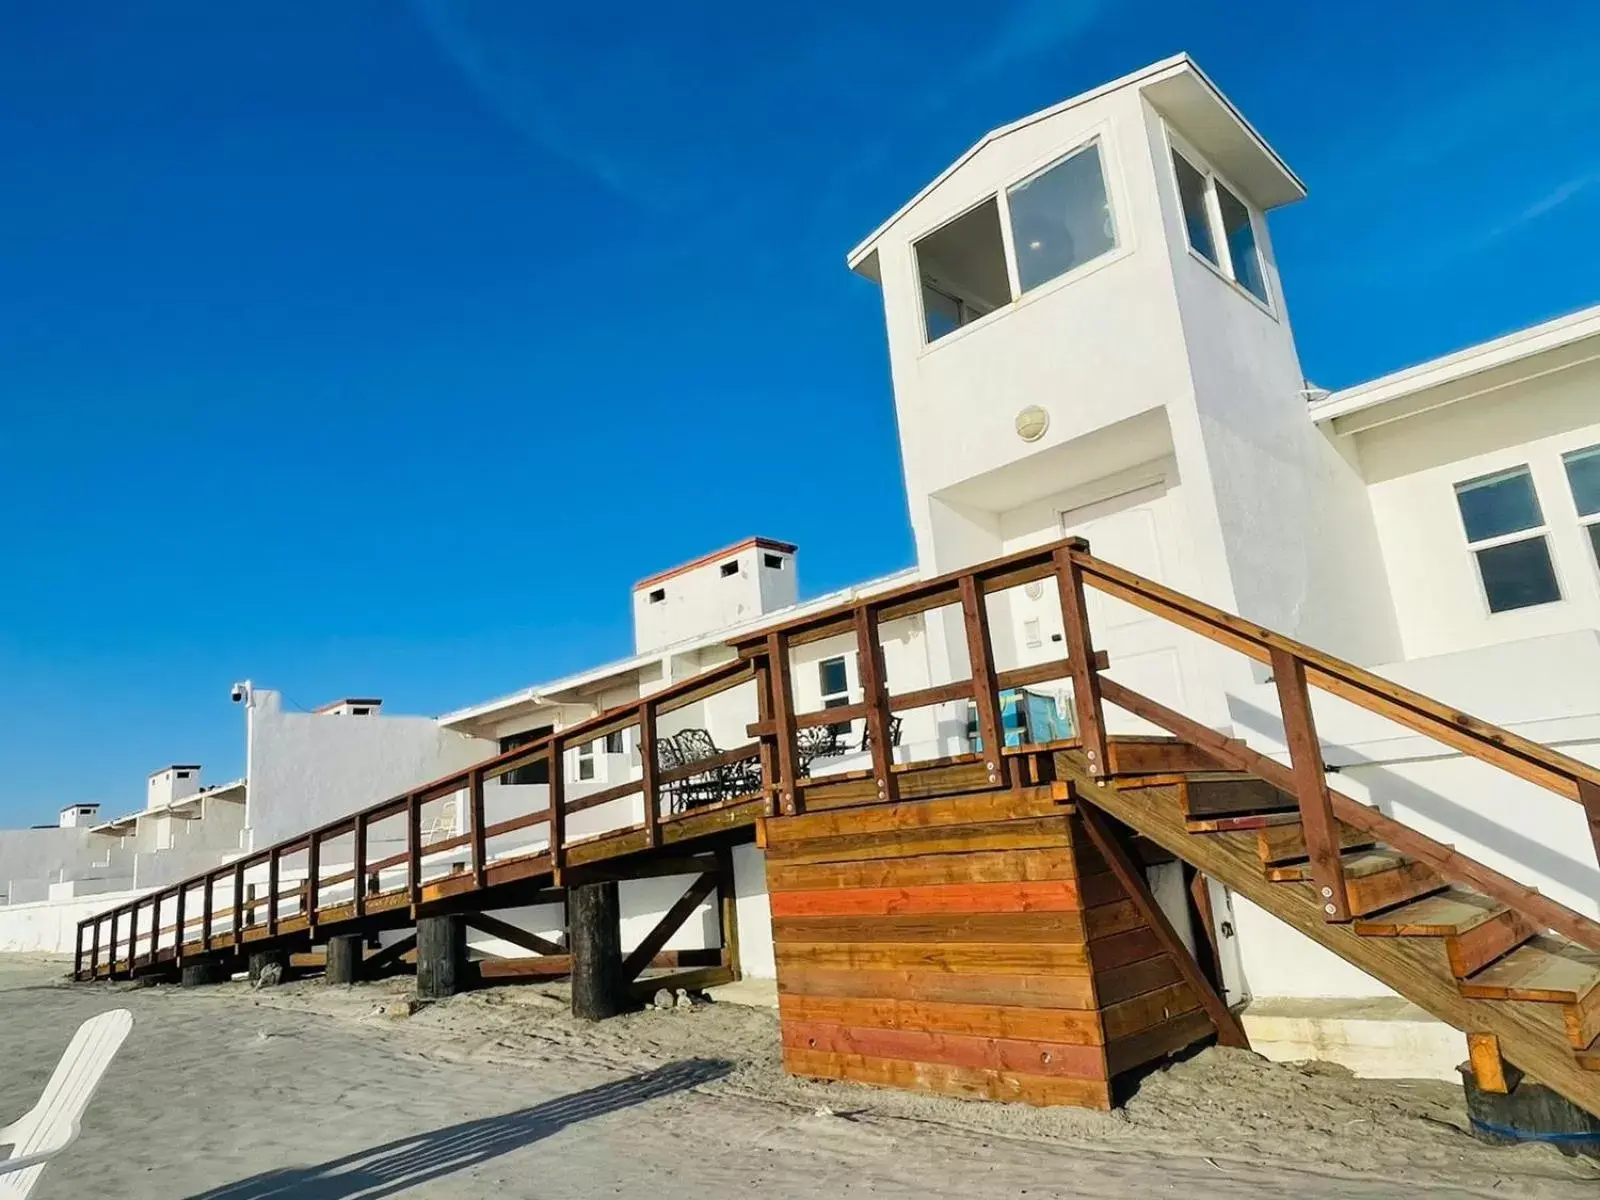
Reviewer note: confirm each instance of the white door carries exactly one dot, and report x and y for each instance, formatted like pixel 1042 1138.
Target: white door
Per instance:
pixel 1141 531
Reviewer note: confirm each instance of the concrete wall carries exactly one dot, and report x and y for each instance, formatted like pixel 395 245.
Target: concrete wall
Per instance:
pixel 306 769
pixel 1412 467
pixel 51 927
pixel 31 859
pixel 700 599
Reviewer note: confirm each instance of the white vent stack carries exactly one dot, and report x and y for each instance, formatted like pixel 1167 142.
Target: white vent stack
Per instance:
pixel 351 706
pixel 716 590
pixel 172 783
pixel 74 816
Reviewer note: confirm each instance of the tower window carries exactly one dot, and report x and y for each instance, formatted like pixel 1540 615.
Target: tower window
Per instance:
pixel 730 568
pixel 657 596
pixel 774 562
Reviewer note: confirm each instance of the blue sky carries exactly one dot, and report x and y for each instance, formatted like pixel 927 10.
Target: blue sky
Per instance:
pixel 360 347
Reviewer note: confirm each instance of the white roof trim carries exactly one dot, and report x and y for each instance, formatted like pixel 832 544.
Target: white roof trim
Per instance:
pixel 1513 347
pixel 1168 66
pixel 716 637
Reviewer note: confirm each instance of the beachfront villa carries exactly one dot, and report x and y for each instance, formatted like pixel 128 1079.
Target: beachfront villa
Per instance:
pixel 1088 338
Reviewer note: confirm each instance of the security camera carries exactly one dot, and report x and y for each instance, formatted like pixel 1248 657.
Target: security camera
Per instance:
pixel 240 692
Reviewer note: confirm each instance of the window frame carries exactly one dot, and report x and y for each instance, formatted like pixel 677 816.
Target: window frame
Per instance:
pixel 836 699
pixel 1588 523
pixel 1541 531
pixel 1124 236
pixel 1223 268
pixel 585 757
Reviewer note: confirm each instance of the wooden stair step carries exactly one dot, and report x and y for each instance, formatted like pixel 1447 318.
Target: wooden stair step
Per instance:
pixel 1224 793
pixel 1589 1057
pixel 1549 970
pixel 1373 879
pixel 1358 864
pixel 1287 842
pixel 1476 929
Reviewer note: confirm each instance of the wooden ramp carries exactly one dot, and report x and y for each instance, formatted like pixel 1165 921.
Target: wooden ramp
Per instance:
pixel 979 922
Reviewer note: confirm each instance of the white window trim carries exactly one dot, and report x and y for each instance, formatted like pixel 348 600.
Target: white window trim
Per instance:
pixel 1124 241
pixel 1585 522
pixel 1541 531
pixel 1223 268
pixel 849 688
pixel 586 754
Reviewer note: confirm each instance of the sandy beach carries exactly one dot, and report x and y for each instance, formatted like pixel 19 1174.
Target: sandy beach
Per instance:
pixel 308 1091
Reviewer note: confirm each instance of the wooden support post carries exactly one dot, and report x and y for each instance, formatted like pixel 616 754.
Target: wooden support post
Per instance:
pixel 441 957
pixel 728 911
pixel 594 933
pixel 274 870
pixel 1311 786
pixel 178 923
pixel 358 864
pixel 238 903
pixel 647 773
pixel 783 721
pixel 77 955
pixel 413 851
pixel 1490 1071
pixel 133 935
pixel 203 972
pixel 94 950
pixel 1201 914
pixel 111 960
pixel 262 963
pixel 1229 1031
pixel 767 750
pixel 208 894
pixel 515 934
pixel 313 869
pixel 985 691
pixel 343 961
pixel 558 809
pixel 1081 659
pixel 875 693
pixel 480 842
pixel 1589 797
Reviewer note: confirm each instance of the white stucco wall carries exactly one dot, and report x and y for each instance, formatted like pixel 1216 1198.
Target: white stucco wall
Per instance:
pixel 1412 467
pixel 307 769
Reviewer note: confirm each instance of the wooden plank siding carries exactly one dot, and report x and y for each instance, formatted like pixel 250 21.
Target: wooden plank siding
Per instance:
pixel 976 945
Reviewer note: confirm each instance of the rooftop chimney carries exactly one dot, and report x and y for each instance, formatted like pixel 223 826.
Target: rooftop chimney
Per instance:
pixel 718 590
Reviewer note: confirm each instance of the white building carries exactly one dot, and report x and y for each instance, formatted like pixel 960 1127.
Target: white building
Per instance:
pixel 1088 335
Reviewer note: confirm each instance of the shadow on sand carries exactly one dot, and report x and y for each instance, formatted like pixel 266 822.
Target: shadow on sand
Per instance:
pixel 391 1169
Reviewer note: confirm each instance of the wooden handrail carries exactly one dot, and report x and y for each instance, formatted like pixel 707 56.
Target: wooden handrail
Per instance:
pixel 763 658
pixel 1480 739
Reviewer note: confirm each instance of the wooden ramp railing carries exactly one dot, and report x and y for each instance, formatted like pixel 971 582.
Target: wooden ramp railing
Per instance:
pixel 386 867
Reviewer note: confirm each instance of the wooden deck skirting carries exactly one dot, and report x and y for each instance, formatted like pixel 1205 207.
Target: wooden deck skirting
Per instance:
pixel 1005 912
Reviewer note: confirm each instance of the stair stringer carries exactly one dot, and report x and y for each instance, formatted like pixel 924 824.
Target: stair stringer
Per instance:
pixel 1415 967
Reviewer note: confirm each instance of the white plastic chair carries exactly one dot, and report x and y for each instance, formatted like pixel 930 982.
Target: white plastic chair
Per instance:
pixel 51 1125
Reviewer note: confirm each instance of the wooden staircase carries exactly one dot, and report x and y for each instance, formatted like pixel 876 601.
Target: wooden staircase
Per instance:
pixel 1472 961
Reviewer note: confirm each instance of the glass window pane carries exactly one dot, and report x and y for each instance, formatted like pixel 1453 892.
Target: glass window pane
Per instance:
pixel 1241 234
pixel 1583 473
pixel 1061 218
pixel 1518 574
pixel 1498 504
pixel 831 673
pixel 941 313
pixel 1594 540
pixel 1192 192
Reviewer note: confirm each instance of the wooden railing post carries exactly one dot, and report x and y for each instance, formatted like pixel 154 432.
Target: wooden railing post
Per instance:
pixel 313 869
pixel 177 944
pixel 133 936
pixel 207 920
pixel 985 690
pixel 875 691
pixel 480 843
pixel 358 863
pixel 414 850
pixel 767 747
pixel 1311 785
pixel 647 772
pixel 783 720
pixel 1080 659
pixel 558 808
pixel 77 955
pixel 274 867
pixel 94 949
pixel 238 903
